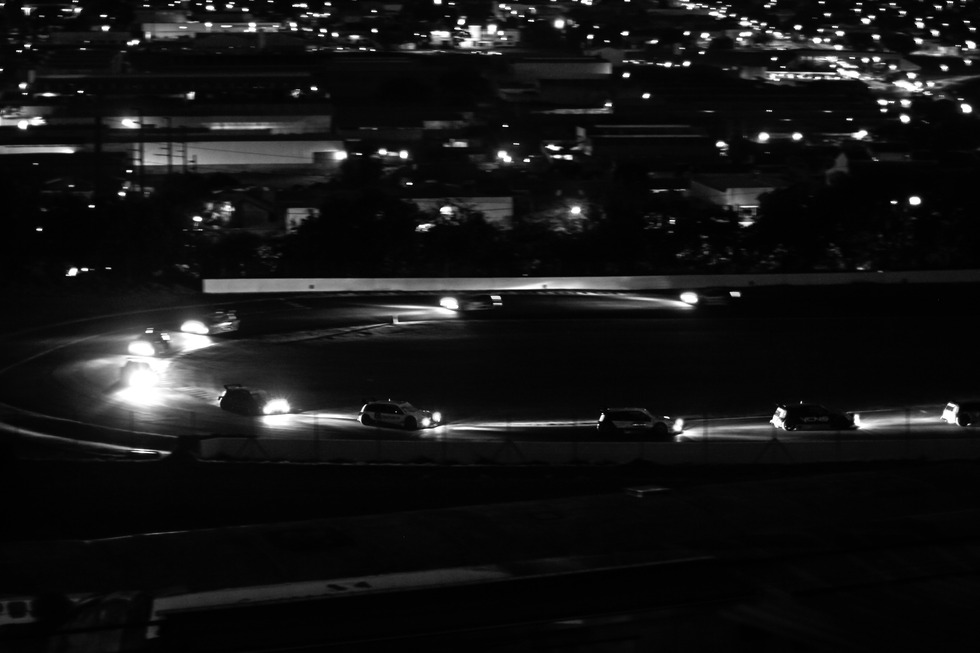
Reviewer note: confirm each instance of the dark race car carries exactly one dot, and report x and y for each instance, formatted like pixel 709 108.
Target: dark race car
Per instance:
pixel 467 303
pixel 241 399
pixel 152 342
pixel 793 417
pixel 139 373
pixel 216 322
pixel 638 422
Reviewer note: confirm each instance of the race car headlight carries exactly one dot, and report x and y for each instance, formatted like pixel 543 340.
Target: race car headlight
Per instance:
pixel 436 417
pixel 856 419
pixel 142 379
pixel 141 348
pixel 276 407
pixel 449 302
pixel 426 421
pixel 689 297
pixel 194 326
pixel 679 425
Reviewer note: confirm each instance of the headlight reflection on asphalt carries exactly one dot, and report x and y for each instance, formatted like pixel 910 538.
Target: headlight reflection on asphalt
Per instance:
pixel 479 425
pixel 898 419
pixel 145 396
pixel 191 341
pixel 277 419
pixel 663 301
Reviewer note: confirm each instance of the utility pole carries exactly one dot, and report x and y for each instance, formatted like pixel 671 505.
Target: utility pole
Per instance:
pixel 170 146
pixel 142 154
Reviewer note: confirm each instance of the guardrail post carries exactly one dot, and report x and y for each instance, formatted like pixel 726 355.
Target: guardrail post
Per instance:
pixel 316 436
pixel 908 431
pixel 704 440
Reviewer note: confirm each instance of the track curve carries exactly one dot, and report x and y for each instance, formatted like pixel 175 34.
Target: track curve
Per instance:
pixel 539 371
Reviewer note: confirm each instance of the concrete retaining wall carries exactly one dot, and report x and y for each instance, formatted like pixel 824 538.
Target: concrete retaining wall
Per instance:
pixel 570 453
pixel 628 283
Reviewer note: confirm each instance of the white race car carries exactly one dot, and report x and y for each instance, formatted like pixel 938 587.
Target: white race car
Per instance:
pixel 398 413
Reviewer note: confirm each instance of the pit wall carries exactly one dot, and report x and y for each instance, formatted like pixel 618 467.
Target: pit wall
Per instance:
pixel 510 452
pixel 624 283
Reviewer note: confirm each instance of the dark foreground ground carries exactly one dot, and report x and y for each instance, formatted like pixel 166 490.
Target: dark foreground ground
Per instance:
pixel 864 558
pixel 618 558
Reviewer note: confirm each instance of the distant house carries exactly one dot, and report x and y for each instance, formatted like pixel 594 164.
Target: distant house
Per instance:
pixel 844 161
pixel 739 192
pixel 496 210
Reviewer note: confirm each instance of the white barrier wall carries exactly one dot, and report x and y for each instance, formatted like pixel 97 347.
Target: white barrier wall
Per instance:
pixel 623 283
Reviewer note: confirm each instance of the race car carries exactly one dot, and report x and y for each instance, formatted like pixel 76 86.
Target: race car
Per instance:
pixel 398 413
pixel 152 342
pixel 216 322
pixel 640 422
pixel 238 398
pixel 465 303
pixel 792 417
pixel 710 297
pixel 139 373
pixel 962 413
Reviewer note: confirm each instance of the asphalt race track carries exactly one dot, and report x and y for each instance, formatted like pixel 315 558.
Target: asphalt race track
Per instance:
pixel 538 368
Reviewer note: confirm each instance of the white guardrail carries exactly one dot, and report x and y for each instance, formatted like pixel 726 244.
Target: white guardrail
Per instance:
pixel 513 452
pixel 624 283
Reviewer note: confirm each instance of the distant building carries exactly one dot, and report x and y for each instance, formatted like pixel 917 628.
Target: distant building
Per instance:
pixel 566 68
pixel 176 24
pixel 661 145
pixel 738 192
